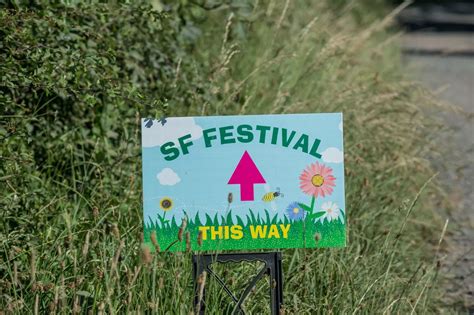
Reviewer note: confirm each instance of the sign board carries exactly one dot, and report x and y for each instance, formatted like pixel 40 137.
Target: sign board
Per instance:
pixel 244 182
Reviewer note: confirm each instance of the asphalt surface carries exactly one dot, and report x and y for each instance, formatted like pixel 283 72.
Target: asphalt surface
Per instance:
pixel 444 63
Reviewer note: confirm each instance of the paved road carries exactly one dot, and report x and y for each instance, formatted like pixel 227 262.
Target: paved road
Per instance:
pixel 452 78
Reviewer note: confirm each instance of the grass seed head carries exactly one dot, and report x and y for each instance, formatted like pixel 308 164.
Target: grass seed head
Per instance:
pixel 161 283
pixel 76 309
pixel 184 223
pixel 95 212
pixel 15 274
pixel 115 231
pixel 199 238
pixel 182 228
pixel 33 265
pixel 202 278
pixel 101 307
pixel 180 234
pixel 146 255
pixel 51 307
pixel 188 241
pixel 151 305
pixel 85 248
pixel 201 284
pixel 100 273
pixel 16 249
pixel 154 241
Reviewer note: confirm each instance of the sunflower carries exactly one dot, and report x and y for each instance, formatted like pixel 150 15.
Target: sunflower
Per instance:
pixel 317 180
pixel 294 211
pixel 166 204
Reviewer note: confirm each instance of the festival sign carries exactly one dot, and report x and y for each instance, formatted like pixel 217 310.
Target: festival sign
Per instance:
pixel 244 182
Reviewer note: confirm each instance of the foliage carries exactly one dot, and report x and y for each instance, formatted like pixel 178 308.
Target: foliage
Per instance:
pixel 75 80
pixel 73 84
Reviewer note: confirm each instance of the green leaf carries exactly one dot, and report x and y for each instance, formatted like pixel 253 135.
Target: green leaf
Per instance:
pixel 305 207
pixel 317 215
pixel 267 216
pixel 197 221
pixel 208 220
pixel 275 218
pixel 229 220
pixel 249 220
pixel 254 219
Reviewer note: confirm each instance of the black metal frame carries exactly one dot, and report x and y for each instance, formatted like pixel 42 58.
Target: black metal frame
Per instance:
pixel 272 268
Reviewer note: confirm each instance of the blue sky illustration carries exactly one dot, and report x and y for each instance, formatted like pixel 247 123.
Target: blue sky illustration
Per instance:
pixel 197 181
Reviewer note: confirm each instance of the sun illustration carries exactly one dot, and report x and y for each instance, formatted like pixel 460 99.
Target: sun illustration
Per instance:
pixel 166 204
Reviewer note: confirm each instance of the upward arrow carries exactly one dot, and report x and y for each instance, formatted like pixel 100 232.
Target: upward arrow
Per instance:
pixel 246 174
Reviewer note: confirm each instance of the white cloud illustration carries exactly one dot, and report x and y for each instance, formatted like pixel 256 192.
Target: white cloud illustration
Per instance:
pixel 173 129
pixel 333 155
pixel 168 177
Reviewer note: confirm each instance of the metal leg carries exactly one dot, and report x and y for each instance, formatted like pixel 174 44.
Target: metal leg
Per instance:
pixel 272 268
pixel 248 289
pixel 223 285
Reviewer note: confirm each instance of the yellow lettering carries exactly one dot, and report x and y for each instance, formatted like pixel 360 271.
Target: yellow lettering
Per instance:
pixel 285 229
pixel 236 231
pixel 258 231
pixel 203 230
pixel 273 232
pixel 215 233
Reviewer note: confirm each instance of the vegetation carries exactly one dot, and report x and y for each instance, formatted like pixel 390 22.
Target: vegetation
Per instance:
pixel 74 81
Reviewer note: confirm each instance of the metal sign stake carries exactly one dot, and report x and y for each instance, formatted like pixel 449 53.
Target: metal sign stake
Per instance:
pixel 272 268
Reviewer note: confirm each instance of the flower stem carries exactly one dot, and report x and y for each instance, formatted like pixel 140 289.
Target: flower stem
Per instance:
pixel 313 199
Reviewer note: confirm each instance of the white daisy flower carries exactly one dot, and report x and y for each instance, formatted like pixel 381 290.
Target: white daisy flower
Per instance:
pixel 332 211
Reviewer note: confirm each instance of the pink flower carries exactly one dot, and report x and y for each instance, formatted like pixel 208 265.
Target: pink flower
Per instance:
pixel 317 180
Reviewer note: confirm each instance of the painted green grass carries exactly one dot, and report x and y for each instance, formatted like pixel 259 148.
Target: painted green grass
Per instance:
pixel 307 233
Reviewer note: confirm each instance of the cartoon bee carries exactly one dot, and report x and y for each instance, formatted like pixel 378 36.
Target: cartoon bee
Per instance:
pixel 270 196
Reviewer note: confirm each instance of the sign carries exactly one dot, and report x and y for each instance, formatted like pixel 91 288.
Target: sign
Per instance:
pixel 243 182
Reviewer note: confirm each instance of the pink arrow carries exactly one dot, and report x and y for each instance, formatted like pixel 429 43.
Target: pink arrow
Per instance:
pixel 246 174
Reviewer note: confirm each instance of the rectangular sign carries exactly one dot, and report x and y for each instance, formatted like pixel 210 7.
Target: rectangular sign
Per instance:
pixel 243 182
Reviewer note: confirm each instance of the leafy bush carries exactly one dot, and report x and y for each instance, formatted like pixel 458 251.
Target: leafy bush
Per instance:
pixel 74 81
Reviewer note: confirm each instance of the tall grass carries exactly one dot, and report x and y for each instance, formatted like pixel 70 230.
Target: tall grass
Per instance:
pixel 79 250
